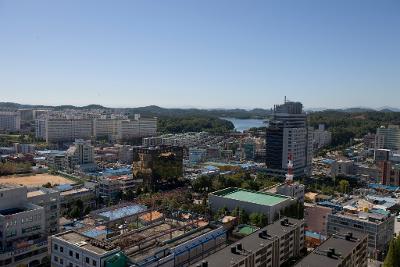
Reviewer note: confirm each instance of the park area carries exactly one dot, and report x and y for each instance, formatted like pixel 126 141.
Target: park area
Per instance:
pixel 33 180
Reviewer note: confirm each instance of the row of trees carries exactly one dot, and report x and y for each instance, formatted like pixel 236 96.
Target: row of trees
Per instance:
pixel 8 168
pixel 193 124
pixel 255 218
pixel 205 183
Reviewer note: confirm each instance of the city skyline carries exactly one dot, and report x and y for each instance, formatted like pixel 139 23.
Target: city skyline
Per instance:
pixel 207 54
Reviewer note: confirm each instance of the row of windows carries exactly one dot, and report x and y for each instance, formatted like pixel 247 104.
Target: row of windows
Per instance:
pixel 29 219
pixel 71 254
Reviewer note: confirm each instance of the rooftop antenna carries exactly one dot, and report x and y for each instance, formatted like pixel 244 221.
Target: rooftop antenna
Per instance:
pixel 289 174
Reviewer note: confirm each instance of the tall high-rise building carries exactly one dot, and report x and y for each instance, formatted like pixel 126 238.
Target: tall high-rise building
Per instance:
pixel 289 135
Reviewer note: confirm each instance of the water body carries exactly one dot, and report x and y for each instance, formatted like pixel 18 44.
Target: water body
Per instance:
pixel 245 124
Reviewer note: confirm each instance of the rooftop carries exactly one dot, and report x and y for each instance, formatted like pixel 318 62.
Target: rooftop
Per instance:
pixel 342 249
pixel 84 242
pixel 259 198
pixel 121 212
pixel 251 242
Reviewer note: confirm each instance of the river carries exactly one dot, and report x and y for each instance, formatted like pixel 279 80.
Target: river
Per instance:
pixel 245 124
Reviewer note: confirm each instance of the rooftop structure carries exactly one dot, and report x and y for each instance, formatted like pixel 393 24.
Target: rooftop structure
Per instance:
pixel 263 247
pixel 250 201
pixel 118 213
pixel 348 249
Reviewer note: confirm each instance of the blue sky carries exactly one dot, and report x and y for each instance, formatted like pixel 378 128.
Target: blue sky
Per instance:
pixel 192 53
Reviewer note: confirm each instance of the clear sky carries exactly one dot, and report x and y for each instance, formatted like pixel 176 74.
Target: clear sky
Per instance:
pixel 200 53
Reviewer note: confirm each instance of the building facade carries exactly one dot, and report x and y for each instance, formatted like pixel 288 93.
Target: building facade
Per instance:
pixel 10 121
pixel 287 135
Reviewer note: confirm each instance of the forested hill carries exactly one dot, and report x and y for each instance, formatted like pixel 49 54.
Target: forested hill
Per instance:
pixel 347 125
pixel 158 111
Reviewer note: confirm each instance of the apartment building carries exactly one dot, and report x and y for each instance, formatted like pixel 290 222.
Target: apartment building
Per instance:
pixel 63 130
pixel 388 137
pixel 10 121
pixel 49 199
pixel 66 130
pixel 321 137
pixel 76 250
pixel 270 246
pixel 23 236
pixel 341 250
pixel 111 187
pixel 379 227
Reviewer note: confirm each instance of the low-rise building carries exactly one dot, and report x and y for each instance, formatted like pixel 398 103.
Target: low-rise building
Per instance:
pixel 74 249
pixel 49 199
pixel 379 227
pixel 23 235
pixel 251 201
pixel 340 250
pixel 316 218
pixel 294 190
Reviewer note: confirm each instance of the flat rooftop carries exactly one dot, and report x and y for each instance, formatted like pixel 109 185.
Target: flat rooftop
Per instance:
pixel 84 242
pixel 251 242
pixel 342 247
pixel 266 199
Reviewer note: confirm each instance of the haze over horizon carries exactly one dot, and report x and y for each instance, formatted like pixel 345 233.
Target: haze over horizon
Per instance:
pixel 203 54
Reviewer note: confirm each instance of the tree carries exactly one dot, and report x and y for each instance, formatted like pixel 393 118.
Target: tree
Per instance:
pixel 344 186
pixel 393 256
pixel 254 218
pixel 75 212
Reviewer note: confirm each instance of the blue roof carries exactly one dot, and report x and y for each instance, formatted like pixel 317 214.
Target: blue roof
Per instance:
pixel 64 187
pixel 385 187
pixel 328 161
pixel 95 232
pixel 123 212
pixel 315 235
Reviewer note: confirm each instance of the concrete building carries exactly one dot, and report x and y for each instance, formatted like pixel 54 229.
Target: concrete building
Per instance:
pixel 125 154
pixel 23 237
pixel 321 137
pixel 341 250
pixel 316 218
pixel 294 190
pixel 10 121
pixel 26 115
pixel 79 155
pixel 55 130
pixel 289 135
pixel 342 167
pixel 379 227
pixel 76 250
pixel 24 148
pixel 388 137
pixel 49 199
pixel 70 196
pixel 270 246
pixel 112 186
pixel 251 201
pixel 197 155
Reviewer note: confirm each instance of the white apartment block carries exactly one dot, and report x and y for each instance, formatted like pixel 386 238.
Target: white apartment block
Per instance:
pixel 10 121
pixel 76 250
pixel 23 237
pixel 321 137
pixel 64 130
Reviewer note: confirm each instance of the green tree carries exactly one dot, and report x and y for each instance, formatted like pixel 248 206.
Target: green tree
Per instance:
pixel 254 218
pixel 393 256
pixel 344 186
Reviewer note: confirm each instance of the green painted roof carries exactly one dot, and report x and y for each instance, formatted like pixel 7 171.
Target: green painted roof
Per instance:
pixel 255 197
pixel 247 230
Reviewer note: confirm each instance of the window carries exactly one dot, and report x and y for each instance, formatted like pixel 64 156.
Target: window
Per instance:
pixel 55 247
pixel 77 256
pixel 61 261
pixel 70 253
pixel 55 258
pixel 87 260
pixel 61 249
pixel 94 263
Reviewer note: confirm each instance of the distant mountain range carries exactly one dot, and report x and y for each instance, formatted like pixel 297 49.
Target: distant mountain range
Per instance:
pixel 183 112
